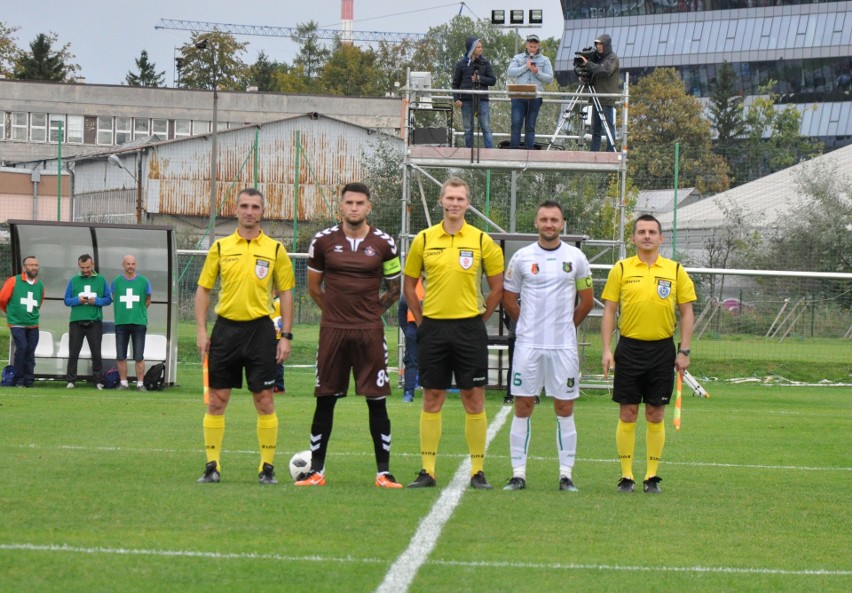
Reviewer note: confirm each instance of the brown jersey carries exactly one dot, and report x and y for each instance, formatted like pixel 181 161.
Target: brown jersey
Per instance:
pixel 353 271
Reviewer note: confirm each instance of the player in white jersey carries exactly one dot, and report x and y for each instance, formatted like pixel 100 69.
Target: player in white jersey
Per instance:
pixel 542 282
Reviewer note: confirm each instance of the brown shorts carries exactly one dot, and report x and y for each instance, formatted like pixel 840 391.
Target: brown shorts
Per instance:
pixel 361 352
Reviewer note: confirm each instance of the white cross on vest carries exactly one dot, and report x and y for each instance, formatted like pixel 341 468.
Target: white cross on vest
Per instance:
pixel 87 293
pixel 129 298
pixel 30 302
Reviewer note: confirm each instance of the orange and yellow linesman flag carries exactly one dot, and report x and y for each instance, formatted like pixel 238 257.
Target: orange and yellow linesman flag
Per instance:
pixel 205 379
pixel 678 399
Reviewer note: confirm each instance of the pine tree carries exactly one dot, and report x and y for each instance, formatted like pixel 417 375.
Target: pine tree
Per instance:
pixel 43 63
pixel 726 109
pixel 148 75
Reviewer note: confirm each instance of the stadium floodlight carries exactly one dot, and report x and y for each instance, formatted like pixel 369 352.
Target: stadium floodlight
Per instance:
pixel 516 17
pixel 535 17
pixel 498 17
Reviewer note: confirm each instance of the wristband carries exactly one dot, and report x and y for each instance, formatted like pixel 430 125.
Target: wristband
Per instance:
pixel 683 351
pixel 287 336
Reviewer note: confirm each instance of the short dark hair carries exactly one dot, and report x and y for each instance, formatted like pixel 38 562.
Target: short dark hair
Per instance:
pixel 550 204
pixel 250 191
pixel 356 187
pixel 24 261
pixel 647 218
pixel 83 258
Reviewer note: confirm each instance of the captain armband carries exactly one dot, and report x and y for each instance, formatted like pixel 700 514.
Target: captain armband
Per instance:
pixel 583 283
pixel 391 267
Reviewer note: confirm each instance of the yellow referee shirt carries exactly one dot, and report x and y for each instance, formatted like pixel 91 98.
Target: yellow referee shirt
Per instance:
pixel 648 296
pixel 453 265
pixel 248 271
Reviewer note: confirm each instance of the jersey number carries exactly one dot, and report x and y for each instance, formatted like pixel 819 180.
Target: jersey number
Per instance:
pixel 516 380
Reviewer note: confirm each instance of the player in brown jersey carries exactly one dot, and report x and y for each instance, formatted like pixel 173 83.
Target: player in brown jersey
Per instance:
pixel 348 265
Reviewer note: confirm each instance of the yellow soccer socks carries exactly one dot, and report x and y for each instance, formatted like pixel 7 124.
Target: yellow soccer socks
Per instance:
pixel 655 439
pixel 625 441
pixel 475 429
pixel 267 438
pixel 214 434
pixel 430 438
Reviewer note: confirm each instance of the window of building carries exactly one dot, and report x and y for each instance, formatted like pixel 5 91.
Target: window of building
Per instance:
pixel 200 127
pixel 57 121
pixel 123 130
pixel 2 125
pixel 104 130
pixel 19 125
pixel 141 127
pixel 38 127
pixel 74 133
pixel 183 128
pixel 160 127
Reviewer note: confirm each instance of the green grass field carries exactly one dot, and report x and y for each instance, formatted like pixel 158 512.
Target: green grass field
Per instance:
pixel 98 493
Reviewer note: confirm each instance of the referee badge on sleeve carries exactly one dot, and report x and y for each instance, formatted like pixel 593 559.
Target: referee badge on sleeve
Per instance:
pixel 261 268
pixel 465 259
pixel 664 288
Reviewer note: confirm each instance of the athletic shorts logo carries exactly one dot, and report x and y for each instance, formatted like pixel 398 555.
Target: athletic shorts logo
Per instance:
pixel 465 259
pixel 261 268
pixel 567 267
pixel 534 269
pixel 369 251
pixel 570 382
pixel 664 288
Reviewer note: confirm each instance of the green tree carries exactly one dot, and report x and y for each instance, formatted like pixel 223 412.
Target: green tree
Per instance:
pixel 313 54
pixel 726 110
pixel 43 62
pixel 8 49
pixel 662 114
pixel 262 73
pixel 352 72
pixel 146 74
pixel 210 57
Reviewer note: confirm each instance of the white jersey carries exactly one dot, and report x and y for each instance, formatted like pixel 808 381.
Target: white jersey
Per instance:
pixel 547 281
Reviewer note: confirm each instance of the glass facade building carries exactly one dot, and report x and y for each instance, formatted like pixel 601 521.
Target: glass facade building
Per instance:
pixel 805 47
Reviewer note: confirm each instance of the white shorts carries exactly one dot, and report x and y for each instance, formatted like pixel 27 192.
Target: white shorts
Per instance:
pixel 556 371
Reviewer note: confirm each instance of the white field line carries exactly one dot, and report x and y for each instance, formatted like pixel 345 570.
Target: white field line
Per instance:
pixel 402 572
pixel 369 454
pixel 66 549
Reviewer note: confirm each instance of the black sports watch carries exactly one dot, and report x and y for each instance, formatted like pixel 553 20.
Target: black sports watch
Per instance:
pixel 287 335
pixel 684 351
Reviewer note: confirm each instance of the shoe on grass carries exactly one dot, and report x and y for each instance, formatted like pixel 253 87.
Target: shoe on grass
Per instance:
pixel 423 480
pixel 314 478
pixel 652 485
pixel 387 481
pixel 567 485
pixel 626 485
pixel 479 482
pixel 515 483
pixel 267 475
pixel 211 474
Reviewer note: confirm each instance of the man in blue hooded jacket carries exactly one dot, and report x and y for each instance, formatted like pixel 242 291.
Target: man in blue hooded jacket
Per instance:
pixel 474 72
pixel 531 67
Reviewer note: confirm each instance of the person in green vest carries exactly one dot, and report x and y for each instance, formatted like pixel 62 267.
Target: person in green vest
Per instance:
pixel 87 294
pixel 21 298
pixel 132 294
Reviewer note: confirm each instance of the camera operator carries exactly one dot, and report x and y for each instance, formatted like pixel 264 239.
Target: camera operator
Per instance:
pixel 530 67
pixel 602 69
pixel 474 72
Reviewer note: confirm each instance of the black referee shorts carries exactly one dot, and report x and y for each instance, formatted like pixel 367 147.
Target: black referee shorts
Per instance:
pixel 447 347
pixel 242 345
pixel 644 371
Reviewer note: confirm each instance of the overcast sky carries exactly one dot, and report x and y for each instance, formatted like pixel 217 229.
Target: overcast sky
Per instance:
pixel 107 36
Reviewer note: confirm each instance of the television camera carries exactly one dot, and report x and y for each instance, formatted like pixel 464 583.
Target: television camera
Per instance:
pixel 580 64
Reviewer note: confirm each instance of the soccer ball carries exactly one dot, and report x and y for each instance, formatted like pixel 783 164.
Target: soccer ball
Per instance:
pixel 300 465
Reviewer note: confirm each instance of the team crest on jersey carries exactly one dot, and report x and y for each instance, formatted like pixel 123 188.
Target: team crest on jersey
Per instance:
pixel 369 251
pixel 567 267
pixel 570 382
pixel 664 288
pixel 534 268
pixel 465 259
pixel 261 268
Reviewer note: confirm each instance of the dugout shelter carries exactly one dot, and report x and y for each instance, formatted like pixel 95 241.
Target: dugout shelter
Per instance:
pixel 57 245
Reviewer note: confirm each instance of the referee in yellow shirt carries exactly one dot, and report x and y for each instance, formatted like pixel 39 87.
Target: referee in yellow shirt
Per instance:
pixel 451 334
pixel 646 288
pixel 250 266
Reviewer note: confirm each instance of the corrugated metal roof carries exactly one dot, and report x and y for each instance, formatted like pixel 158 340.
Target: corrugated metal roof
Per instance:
pixel 662 200
pixel 765 199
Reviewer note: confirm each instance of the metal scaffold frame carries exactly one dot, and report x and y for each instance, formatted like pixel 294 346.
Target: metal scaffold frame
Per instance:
pixel 418 158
